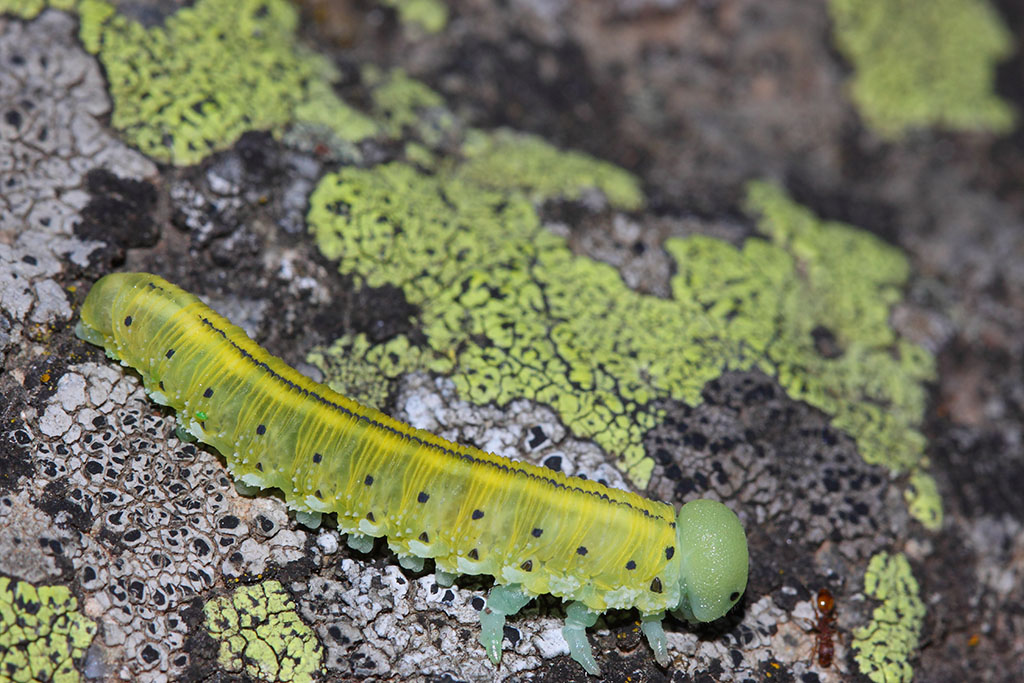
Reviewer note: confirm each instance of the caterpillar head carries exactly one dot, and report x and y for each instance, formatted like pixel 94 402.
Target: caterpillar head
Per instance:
pixel 713 562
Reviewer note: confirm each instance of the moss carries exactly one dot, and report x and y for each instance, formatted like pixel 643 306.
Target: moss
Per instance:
pixel 921 64
pixel 42 633
pixel 212 72
pixel 428 15
pixel 523 317
pixel 883 647
pixel 261 635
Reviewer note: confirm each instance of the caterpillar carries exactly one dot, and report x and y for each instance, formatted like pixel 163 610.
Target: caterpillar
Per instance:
pixel 534 530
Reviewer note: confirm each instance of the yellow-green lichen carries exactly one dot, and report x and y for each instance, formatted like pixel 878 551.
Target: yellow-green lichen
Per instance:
pixel 923 64
pixel 506 160
pixel 429 15
pixel 25 9
pixel 213 71
pixel 405 106
pixel 923 500
pixel 522 316
pixel 883 648
pixel 420 155
pixel 365 371
pixel 321 107
pixel 30 9
pixel 262 636
pixel 843 281
pixel 42 633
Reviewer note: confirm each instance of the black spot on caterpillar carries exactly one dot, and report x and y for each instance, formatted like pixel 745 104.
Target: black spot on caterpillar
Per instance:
pixel 533 529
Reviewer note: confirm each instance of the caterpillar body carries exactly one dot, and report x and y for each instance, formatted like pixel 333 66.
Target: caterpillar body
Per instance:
pixel 534 530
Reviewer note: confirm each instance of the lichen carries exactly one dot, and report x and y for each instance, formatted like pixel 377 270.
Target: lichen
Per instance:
pixel 921 64
pixel 24 9
pixel 30 9
pixel 923 500
pixel 405 106
pixel 523 317
pixel 366 372
pixel 262 636
pixel 213 71
pixel 839 283
pixel 429 15
pixel 883 647
pixel 42 633
pixel 506 160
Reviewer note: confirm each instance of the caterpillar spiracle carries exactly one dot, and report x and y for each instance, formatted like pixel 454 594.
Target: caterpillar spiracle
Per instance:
pixel 534 530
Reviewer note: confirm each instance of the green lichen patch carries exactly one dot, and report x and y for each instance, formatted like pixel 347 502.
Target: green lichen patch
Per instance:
pixel 25 9
pixel 884 646
pixel 42 633
pixel 507 159
pixel 365 371
pixel 262 636
pixel 428 15
pixel 922 64
pixel 30 9
pixel 213 71
pixel 838 283
pixel 923 500
pixel 524 317
pixel 405 106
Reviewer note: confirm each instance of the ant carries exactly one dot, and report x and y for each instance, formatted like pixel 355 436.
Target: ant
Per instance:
pixel 825 627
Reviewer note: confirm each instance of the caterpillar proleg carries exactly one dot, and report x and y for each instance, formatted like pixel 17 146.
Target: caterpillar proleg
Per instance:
pixel 534 530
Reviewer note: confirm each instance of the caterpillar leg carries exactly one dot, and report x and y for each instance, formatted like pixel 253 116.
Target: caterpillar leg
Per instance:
pixel 651 626
pixel 577 620
pixel 182 433
pixel 411 562
pixel 502 601
pixel 308 519
pixel 443 578
pixel 360 542
pixel 247 489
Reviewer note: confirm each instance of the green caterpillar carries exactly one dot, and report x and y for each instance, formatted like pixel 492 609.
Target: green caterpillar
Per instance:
pixel 534 530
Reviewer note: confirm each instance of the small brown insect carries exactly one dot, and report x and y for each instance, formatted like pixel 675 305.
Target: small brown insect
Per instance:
pixel 825 627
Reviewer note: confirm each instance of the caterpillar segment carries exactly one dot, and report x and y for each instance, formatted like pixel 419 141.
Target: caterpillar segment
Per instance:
pixel 534 530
